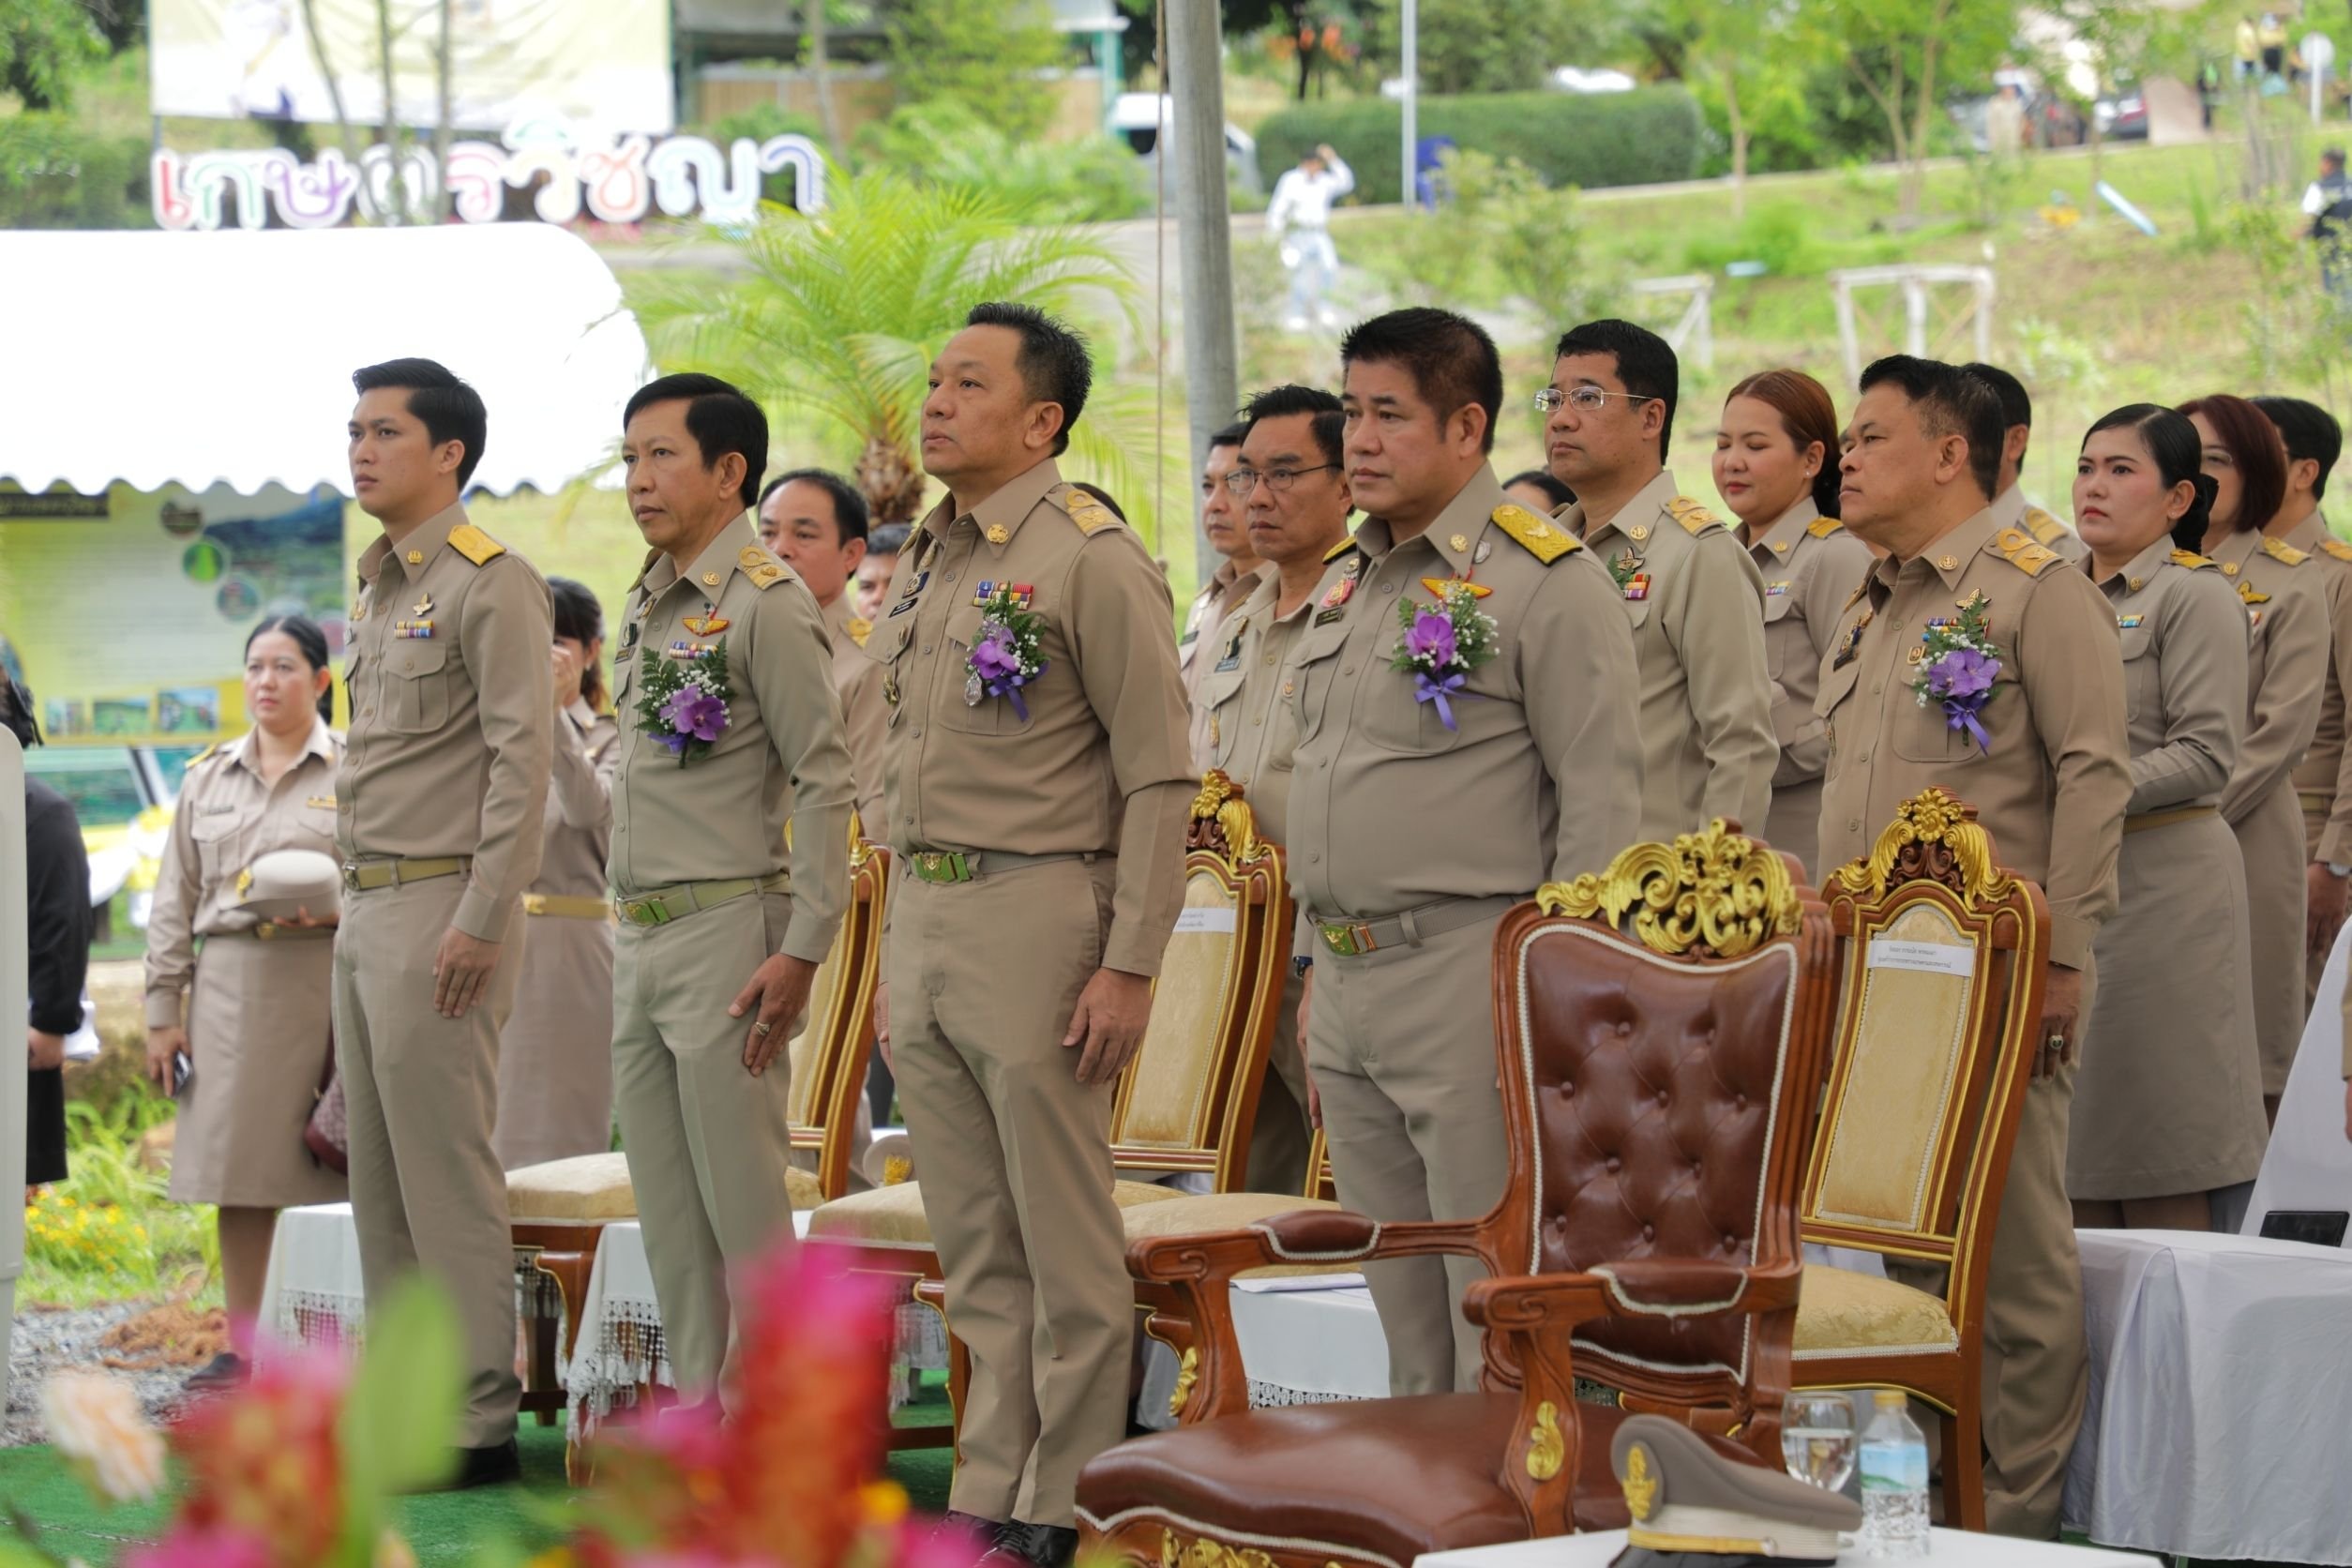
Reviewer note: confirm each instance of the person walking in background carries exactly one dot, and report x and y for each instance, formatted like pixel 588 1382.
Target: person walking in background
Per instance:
pixel 2287 612
pixel 2328 203
pixel 2248 46
pixel 59 925
pixel 1773 469
pixel 2168 1102
pixel 1299 218
pixel 248 1012
pixel 554 1055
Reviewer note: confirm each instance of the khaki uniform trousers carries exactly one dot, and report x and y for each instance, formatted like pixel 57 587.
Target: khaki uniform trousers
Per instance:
pixel 2037 1365
pixel 421 1092
pixel 1015 1157
pixel 1402 1045
pixel 708 1144
pixel 1282 1136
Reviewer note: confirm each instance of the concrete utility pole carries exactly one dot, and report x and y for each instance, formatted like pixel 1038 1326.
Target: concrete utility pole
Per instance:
pixel 1204 234
pixel 1412 65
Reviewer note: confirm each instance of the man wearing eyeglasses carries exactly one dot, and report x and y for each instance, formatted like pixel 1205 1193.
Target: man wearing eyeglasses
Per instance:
pixel 1227 586
pixel 1290 485
pixel 1707 748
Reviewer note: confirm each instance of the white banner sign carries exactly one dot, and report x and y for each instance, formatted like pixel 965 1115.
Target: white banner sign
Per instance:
pixel 1934 958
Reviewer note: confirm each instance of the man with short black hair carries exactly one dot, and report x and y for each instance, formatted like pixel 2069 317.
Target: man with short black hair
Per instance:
pixel 1693 595
pixel 1427 801
pixel 2010 506
pixel 819 522
pixel 1290 481
pixel 2045 761
pixel 882 545
pixel 1236 577
pixel 731 750
pixel 1037 787
pixel 439 806
pixel 2323 780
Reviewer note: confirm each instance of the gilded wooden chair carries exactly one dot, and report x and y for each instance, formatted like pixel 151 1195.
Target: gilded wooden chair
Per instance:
pixel 559 1208
pixel 1188 1100
pixel 1943 955
pixel 1660 1032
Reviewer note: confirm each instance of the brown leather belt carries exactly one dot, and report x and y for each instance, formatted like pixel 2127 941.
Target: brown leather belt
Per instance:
pixel 2165 818
pixel 1353 939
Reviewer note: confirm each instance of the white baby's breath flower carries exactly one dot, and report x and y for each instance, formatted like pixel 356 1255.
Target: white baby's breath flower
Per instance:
pixel 96 1422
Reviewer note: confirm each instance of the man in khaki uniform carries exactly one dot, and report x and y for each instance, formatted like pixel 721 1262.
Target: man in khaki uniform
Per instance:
pixel 719 938
pixel 1293 485
pixel 1037 787
pixel 1227 586
pixel 819 522
pixel 1424 804
pixel 2009 508
pixel 2323 781
pixel 438 808
pixel 2050 783
pixel 1694 598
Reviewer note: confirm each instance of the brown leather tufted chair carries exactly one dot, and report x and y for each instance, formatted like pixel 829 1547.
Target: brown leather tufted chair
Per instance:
pixel 1661 1033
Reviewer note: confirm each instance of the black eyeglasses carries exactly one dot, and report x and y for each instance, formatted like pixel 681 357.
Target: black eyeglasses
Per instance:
pixel 1242 480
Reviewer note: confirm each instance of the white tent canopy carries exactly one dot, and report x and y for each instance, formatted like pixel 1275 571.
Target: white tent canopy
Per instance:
pixel 226 356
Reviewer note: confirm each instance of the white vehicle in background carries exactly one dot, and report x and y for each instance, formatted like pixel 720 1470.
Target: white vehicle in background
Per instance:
pixel 122 796
pixel 1139 118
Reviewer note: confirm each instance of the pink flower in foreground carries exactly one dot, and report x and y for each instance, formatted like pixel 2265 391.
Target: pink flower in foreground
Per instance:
pixel 96 1424
pixel 193 1547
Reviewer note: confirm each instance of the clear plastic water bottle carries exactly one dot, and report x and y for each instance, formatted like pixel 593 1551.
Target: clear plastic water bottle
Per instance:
pixel 1893 1482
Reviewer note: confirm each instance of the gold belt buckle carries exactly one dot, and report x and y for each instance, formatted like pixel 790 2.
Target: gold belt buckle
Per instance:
pixel 652 910
pixel 351 876
pixel 941 866
pixel 1349 939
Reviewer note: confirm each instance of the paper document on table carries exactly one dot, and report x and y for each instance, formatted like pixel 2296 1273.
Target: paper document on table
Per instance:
pixel 1206 917
pixel 1300 1282
pixel 1934 958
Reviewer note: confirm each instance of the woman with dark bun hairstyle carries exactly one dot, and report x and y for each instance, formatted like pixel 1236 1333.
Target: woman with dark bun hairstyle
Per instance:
pixel 2287 612
pixel 1776 470
pixel 2168 1104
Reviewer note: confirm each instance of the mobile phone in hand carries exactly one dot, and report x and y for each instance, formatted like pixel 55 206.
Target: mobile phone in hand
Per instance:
pixel 182 1070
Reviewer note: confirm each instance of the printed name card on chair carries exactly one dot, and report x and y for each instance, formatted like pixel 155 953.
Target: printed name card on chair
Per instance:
pixel 1660 1038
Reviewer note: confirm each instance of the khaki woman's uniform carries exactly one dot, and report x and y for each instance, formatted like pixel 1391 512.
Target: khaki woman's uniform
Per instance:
pixel 1036 845
pixel 258 1030
pixel 2286 602
pixel 555 1054
pixel 2323 784
pixel 2051 789
pixel 1811 567
pixel 718 865
pixel 1411 839
pixel 1691 594
pixel 1253 733
pixel 2168 1097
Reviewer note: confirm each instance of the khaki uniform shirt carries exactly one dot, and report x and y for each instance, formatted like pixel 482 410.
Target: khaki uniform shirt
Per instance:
pixel 781 761
pixel 1253 727
pixel 2183 637
pixel 1098 766
pixel 1811 567
pixel 2012 510
pixel 1691 594
pixel 1226 589
pixel 2053 786
pixel 225 819
pixel 2286 608
pixel 579 834
pixel 858 682
pixel 1540 777
pixel 452 702
pixel 2324 781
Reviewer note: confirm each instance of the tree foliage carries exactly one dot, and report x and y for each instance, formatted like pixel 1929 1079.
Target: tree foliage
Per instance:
pixel 1490 46
pixel 1907 54
pixel 984 55
pixel 44 44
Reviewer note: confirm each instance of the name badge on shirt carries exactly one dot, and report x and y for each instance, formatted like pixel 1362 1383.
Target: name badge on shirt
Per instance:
pixel 321 803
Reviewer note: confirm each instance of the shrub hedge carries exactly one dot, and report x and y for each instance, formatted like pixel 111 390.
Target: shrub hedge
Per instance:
pixel 55 176
pixel 1647 136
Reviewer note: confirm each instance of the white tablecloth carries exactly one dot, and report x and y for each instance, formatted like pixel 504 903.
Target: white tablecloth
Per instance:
pixel 1950 1547
pixel 312 1294
pixel 2219 1386
pixel 2309 1163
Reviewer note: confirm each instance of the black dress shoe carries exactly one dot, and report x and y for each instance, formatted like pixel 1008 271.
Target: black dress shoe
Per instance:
pixel 499 1465
pixel 1025 1546
pixel 225 1370
pixel 979 1532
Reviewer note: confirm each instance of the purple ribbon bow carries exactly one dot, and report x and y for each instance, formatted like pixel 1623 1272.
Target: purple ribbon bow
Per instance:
pixel 1428 688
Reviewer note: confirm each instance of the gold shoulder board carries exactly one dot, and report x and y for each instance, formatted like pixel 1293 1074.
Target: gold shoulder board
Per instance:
pixel 2018 548
pixel 1821 528
pixel 1693 518
pixel 2337 548
pixel 1545 540
pixel 764 570
pixel 205 756
pixel 2192 560
pixel 859 628
pixel 475 545
pixel 1091 515
pixel 2286 554
pixel 1342 548
pixel 2046 527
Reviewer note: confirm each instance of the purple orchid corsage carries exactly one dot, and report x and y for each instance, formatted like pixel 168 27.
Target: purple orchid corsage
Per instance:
pixel 1958 664
pixel 683 707
pixel 1443 642
pixel 1005 656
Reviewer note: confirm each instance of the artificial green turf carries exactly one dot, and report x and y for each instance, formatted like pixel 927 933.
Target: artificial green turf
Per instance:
pixel 444 1529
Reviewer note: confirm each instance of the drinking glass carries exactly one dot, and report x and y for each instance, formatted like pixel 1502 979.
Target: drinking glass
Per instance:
pixel 1818 1440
